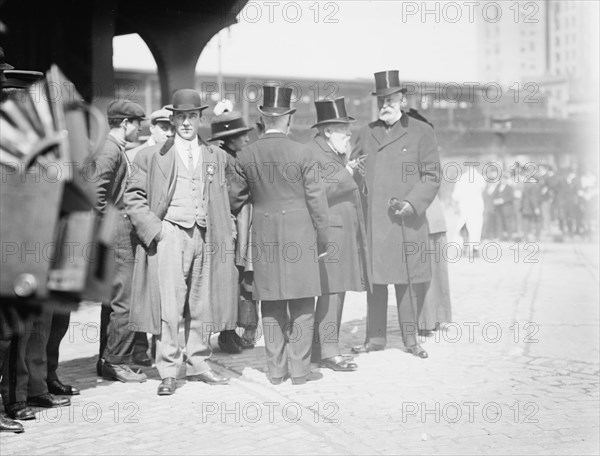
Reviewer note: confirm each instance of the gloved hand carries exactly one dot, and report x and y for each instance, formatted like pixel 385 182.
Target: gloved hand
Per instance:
pixel 401 208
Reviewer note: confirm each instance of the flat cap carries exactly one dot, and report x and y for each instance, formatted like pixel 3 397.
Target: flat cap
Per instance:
pixel 125 109
pixel 161 115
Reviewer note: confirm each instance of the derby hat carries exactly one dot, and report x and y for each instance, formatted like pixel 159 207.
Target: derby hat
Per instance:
pixel 387 83
pixel 20 79
pixel 125 109
pixel 186 100
pixel 227 125
pixel 332 111
pixel 276 101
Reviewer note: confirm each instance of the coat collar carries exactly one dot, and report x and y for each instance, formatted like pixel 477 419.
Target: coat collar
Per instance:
pixel 384 137
pixel 166 156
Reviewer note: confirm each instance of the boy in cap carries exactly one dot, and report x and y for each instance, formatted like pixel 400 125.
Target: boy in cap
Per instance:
pixel 111 170
pixel 161 129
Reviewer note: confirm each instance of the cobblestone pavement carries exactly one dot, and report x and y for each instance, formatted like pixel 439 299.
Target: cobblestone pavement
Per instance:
pixel 517 371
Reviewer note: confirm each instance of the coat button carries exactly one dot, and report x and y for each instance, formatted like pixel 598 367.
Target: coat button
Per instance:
pixel 283 212
pixel 266 214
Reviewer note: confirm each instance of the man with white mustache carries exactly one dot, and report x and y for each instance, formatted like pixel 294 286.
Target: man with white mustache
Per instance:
pixel 401 166
pixel 345 268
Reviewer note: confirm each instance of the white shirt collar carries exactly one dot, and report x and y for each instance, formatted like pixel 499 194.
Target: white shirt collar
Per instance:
pixel 275 130
pixel 184 144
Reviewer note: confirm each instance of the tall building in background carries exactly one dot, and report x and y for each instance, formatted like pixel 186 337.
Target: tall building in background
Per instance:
pixel 512 49
pixel 548 50
pixel 572 76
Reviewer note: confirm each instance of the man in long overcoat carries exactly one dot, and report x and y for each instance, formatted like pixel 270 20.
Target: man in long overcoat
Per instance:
pixel 178 202
pixel 289 232
pixel 345 268
pixel 402 162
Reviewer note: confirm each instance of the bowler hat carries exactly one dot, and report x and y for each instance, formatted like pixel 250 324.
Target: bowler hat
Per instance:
pixel 276 101
pixel 186 100
pixel 3 64
pixel 332 111
pixel 125 109
pixel 20 79
pixel 387 83
pixel 227 125
pixel 160 115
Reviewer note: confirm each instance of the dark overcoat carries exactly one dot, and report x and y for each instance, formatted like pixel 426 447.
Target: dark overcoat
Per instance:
pixel 289 216
pixel 110 173
pixel 402 163
pixel 345 269
pixel 147 198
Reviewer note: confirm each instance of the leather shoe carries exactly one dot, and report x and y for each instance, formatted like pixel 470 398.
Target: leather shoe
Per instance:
pixel 210 377
pixel 99 365
pixel 122 373
pixel 313 376
pixel 142 359
pixel 8 425
pixel 48 401
pixel 167 386
pixel 227 342
pixel 417 351
pixel 366 348
pixel 19 411
pixel 278 380
pixel 338 363
pixel 60 389
pixel 246 343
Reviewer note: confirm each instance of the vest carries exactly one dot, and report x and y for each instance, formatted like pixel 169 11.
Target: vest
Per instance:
pixel 187 206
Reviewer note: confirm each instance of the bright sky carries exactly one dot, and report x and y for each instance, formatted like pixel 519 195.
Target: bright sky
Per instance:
pixel 343 39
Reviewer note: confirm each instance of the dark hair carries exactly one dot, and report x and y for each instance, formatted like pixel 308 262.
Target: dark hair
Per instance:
pixel 114 123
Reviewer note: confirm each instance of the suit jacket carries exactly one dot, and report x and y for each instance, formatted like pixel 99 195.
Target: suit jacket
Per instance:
pixel 289 216
pixel 147 197
pixel 345 269
pixel 403 163
pixel 110 166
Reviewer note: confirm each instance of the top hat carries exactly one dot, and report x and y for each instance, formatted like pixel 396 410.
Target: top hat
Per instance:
pixel 332 111
pixel 20 79
pixel 125 109
pixel 3 64
pixel 227 125
pixel 387 83
pixel 186 100
pixel 276 101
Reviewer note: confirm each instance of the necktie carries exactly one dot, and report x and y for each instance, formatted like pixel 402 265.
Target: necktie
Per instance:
pixel 344 158
pixel 190 160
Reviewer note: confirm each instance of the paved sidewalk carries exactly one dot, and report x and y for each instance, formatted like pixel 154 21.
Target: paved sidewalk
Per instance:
pixel 517 371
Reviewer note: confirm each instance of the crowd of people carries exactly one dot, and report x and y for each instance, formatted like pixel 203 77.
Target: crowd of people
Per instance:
pixel 523 204
pixel 208 229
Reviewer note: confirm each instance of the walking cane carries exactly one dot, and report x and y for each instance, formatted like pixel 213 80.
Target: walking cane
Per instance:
pixel 394 203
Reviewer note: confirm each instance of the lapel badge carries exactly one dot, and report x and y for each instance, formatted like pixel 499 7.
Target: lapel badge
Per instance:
pixel 210 170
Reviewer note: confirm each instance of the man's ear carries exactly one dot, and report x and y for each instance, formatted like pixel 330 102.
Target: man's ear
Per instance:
pixel 124 123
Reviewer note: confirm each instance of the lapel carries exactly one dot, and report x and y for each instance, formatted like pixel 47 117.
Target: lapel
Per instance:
pixel 322 143
pixel 209 167
pixel 378 132
pixel 399 129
